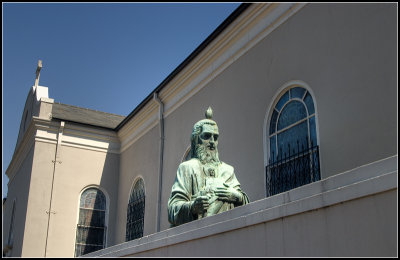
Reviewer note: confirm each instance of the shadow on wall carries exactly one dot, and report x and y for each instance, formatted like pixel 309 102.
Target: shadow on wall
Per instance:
pixel 13 237
pixel 98 208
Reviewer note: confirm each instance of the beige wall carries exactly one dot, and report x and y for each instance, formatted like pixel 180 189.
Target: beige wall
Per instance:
pixel 76 169
pixel 80 169
pixel 39 198
pixel 140 160
pixel 18 191
pixel 345 54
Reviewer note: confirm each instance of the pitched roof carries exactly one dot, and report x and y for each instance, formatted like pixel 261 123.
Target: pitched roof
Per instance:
pixel 85 116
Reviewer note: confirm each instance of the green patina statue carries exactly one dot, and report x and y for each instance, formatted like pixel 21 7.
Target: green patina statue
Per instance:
pixel 204 185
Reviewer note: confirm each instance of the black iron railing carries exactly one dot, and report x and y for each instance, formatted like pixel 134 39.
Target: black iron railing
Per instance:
pixel 89 239
pixel 291 170
pixel 135 216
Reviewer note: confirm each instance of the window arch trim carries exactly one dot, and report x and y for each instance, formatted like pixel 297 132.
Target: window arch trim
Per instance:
pixel 134 183
pixel 105 194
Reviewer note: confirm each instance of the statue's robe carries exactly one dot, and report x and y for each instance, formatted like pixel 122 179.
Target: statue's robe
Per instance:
pixel 194 179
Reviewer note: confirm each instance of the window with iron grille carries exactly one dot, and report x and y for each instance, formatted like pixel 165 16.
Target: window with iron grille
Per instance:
pixel 91 228
pixel 293 151
pixel 135 212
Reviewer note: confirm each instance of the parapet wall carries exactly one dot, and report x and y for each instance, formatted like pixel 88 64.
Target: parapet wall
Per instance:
pixel 349 214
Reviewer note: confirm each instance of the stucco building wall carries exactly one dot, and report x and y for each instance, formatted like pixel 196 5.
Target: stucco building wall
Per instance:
pixel 139 160
pixel 331 50
pixel 41 182
pixel 18 192
pixel 39 199
pixel 343 54
pixel 78 170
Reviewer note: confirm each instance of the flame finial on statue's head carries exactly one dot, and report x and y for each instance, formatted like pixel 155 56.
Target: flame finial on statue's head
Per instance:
pixel 209 113
pixel 198 128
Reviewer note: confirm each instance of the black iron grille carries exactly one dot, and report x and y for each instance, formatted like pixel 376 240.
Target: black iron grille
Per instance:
pixel 91 228
pixel 135 214
pixel 89 239
pixel 293 170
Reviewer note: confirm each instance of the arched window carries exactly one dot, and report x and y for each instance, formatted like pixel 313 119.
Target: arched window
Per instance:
pixel 293 158
pixel 135 212
pixel 91 229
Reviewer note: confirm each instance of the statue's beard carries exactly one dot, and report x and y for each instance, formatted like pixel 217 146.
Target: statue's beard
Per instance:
pixel 207 156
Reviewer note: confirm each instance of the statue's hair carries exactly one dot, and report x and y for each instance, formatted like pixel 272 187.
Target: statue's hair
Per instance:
pixel 197 129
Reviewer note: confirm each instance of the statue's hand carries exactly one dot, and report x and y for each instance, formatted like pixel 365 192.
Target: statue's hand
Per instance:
pixel 229 194
pixel 200 205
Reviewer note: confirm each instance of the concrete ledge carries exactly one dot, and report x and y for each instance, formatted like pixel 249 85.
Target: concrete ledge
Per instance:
pixel 374 178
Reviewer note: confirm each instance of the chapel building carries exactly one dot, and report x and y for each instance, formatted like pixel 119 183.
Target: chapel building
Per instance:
pixel 305 98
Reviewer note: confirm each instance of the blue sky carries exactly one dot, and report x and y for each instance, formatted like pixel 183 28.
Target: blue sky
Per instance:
pixel 101 56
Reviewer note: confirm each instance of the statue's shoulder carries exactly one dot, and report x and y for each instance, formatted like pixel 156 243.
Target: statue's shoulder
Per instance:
pixel 227 167
pixel 190 164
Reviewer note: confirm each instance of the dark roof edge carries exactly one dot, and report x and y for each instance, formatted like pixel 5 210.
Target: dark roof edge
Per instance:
pixel 191 57
pixel 84 124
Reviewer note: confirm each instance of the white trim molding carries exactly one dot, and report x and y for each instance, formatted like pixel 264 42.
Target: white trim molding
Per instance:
pixel 78 136
pixel 73 135
pixel 21 151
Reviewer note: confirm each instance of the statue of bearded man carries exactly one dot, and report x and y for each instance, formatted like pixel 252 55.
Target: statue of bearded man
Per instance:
pixel 204 185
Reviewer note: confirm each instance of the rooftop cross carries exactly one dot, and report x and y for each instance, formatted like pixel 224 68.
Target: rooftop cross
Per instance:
pixel 39 67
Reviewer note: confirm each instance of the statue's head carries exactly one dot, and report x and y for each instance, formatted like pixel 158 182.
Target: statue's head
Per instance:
pixel 204 140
